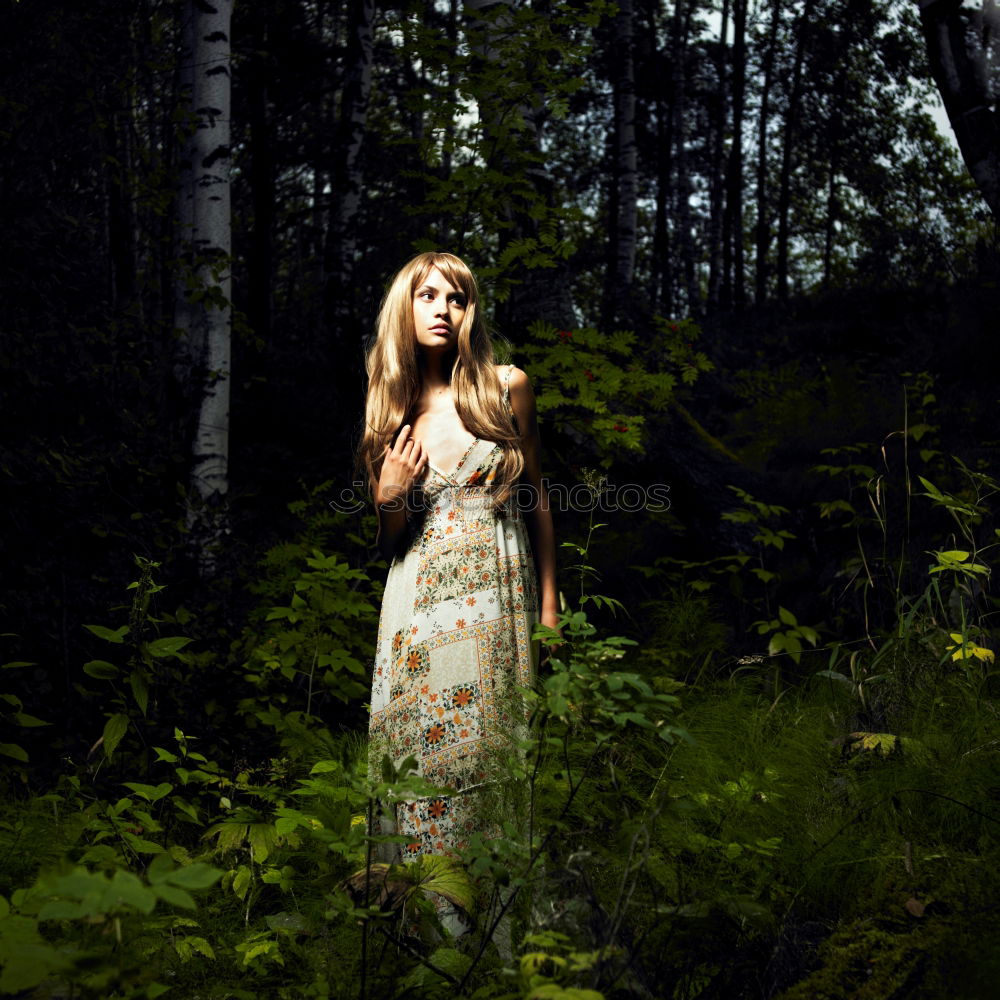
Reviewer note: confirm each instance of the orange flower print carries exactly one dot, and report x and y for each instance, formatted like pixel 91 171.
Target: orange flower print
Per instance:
pixel 471 601
pixel 434 734
pixel 438 808
pixel 462 697
pixel 463 734
pixel 459 623
pixel 413 661
pixel 451 515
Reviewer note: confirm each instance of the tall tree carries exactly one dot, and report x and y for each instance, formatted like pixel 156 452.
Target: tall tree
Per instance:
pixel 685 236
pixel 204 314
pixel 625 173
pixel 963 46
pixel 717 166
pixel 789 141
pixel 762 232
pixel 348 172
pixel 734 172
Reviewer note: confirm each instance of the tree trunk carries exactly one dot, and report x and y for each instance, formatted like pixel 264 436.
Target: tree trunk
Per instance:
pixel 624 183
pixel 762 235
pixel 262 184
pixel 205 230
pixel 348 178
pixel 962 46
pixel 790 137
pixel 684 242
pixel 734 197
pixel 662 267
pixel 718 170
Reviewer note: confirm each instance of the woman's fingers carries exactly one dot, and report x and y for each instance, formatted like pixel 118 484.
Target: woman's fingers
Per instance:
pixel 402 439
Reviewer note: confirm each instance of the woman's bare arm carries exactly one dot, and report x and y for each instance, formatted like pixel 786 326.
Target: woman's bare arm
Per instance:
pixel 537 515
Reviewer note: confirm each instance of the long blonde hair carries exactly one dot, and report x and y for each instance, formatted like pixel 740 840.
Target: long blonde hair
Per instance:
pixel 394 379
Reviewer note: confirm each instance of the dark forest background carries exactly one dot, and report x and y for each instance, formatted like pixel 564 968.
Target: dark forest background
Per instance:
pixel 736 255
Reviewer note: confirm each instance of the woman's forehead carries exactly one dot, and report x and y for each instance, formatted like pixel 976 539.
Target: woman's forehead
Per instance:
pixel 436 279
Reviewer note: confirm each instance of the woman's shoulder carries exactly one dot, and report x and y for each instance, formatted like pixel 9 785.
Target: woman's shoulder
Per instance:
pixel 512 376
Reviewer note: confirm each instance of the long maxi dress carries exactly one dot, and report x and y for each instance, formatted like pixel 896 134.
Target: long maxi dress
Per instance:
pixel 454 648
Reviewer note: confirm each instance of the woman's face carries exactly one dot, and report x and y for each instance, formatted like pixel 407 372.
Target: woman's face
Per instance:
pixel 438 311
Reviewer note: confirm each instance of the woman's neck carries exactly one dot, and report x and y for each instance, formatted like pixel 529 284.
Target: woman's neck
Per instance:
pixel 436 370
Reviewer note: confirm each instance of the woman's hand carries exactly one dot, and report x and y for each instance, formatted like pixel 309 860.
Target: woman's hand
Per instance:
pixel 402 467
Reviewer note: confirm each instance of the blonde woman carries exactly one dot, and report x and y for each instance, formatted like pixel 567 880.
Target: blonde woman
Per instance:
pixel 452 451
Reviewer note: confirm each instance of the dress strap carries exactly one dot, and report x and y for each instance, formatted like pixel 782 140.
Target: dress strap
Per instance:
pixel 506 385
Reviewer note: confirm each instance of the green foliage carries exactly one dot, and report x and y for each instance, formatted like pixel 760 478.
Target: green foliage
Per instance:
pixel 315 630
pixel 12 715
pixel 597 388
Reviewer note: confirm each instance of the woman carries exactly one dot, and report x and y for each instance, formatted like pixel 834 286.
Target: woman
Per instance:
pixel 450 443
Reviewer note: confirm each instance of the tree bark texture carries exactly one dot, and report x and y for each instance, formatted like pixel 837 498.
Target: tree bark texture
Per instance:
pixel 762 232
pixel 734 174
pixel 204 310
pixel 718 168
pixel 788 144
pixel 962 46
pixel 348 177
pixel 624 180
pixel 685 238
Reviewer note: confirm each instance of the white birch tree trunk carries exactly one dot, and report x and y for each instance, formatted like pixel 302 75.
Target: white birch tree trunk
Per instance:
pixel 204 312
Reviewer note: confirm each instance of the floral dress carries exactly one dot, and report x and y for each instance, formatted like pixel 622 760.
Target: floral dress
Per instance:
pixel 454 648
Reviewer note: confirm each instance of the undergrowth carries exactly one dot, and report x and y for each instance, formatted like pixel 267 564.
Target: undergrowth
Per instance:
pixel 802 806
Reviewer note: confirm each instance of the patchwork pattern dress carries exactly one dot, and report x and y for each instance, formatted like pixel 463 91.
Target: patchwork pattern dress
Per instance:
pixel 454 646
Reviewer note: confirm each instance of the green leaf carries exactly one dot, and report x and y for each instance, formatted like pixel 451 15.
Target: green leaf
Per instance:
pixel 114 730
pixel 196 876
pixel 116 636
pixel 786 616
pixel 167 646
pixel 149 792
pixel 241 881
pixel 28 721
pixel 444 877
pixel 101 669
pixel 140 689
pixel 139 844
pixel 128 889
pixel 13 750
pixel 175 897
